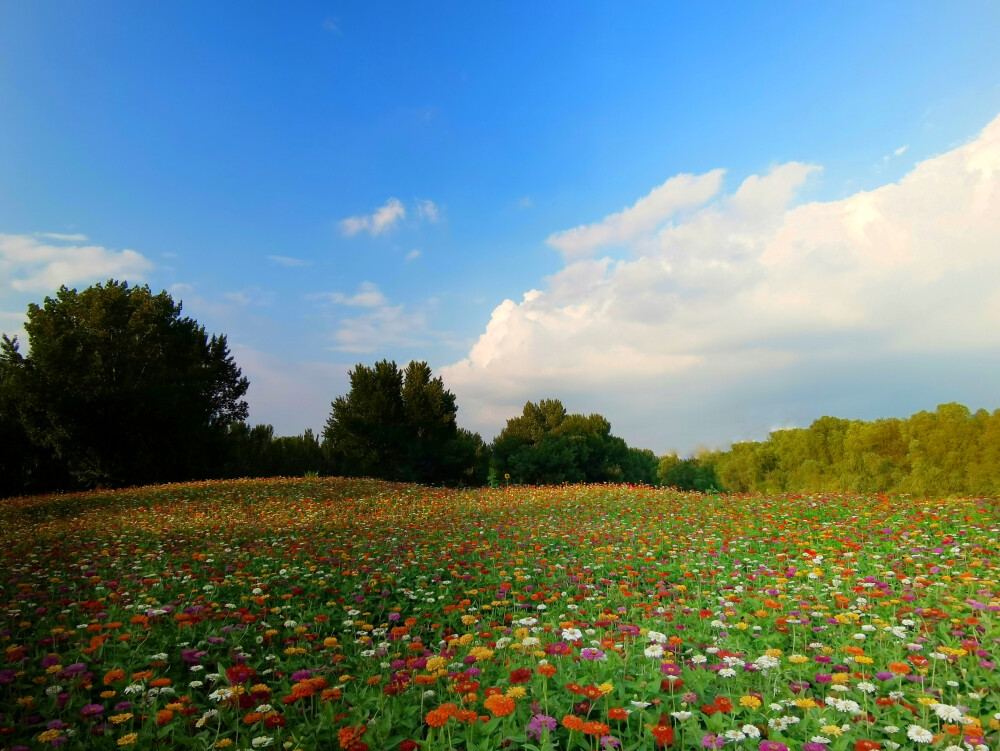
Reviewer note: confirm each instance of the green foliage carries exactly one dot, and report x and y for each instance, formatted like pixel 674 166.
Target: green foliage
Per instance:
pixel 547 446
pixel 256 452
pixel 119 389
pixel 400 425
pixel 951 451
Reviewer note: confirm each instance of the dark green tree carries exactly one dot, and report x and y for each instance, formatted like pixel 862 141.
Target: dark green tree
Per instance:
pixel 400 425
pixel 121 388
pixel 546 446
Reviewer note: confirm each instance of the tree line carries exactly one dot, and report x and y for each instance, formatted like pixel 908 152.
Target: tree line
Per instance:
pixel 118 388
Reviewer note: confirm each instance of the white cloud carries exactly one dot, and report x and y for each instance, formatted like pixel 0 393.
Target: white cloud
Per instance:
pixel 428 211
pixel 645 215
pixel 287 261
pixel 28 264
pixel 381 220
pixel 751 294
pixel 525 203
pixel 413 255
pixel 901 150
pixel 291 396
pixel 367 296
pixel 385 326
pixel 76 238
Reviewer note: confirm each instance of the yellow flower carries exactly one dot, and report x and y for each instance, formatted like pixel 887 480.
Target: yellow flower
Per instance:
pixel 108 694
pixel 224 743
pixel 863 660
pixel 48 735
pixel 128 740
pixel 798 659
pixel 831 730
pixel 468 620
pixel 118 719
pixel 806 704
pixel 606 688
pixel 330 641
pixel 840 679
pixel 773 652
pixel 515 692
pixel 750 701
pixel 435 663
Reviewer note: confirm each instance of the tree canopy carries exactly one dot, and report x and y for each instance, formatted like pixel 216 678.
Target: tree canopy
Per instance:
pixel 545 445
pixel 401 425
pixel 119 388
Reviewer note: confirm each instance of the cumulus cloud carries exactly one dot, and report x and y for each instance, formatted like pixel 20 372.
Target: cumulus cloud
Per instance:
pixel 385 326
pixel 645 215
pixel 381 220
pixel 749 288
pixel 30 263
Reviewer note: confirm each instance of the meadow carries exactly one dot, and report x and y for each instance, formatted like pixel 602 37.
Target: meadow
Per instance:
pixel 359 614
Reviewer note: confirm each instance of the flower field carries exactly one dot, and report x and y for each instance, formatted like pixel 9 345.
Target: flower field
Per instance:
pixel 355 614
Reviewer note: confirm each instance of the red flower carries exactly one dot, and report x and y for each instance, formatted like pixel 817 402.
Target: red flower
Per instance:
pixel 521 675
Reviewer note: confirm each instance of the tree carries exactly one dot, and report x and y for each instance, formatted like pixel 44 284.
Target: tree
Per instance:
pixel 122 389
pixel 401 425
pixel 545 445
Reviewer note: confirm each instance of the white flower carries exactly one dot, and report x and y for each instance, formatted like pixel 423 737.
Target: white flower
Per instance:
pixel 734 735
pixel 640 704
pixel 53 690
pixel 197 668
pixel 890 729
pixel 654 651
pixel 751 731
pixel 948 713
pixel 571 634
pixel 727 673
pixel 918 734
pixel 261 741
pixel 819 739
pixel 681 716
pixel 133 688
pixel 656 636
pixel 699 659
pixel 868 688
pixel 264 708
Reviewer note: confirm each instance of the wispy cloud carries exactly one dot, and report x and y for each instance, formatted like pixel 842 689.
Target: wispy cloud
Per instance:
pixel 287 261
pixel 428 211
pixel 381 220
pixel 76 238
pixel 901 150
pixel 28 264
pixel 413 255
pixel 525 203
pixel 367 296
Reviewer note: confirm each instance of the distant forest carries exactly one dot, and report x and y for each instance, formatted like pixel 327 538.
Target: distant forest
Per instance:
pixel 120 389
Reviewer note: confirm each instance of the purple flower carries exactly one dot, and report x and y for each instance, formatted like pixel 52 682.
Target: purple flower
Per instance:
pixel 609 741
pixel 301 675
pixel 813 747
pixel 590 653
pixel 823 677
pixel 123 706
pixel 772 746
pixel 91 710
pixel 75 669
pixel 393 616
pixel 540 723
pixel 668 668
pixel 710 740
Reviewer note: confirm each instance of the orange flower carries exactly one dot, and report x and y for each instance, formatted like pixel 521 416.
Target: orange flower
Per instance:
pixel 164 716
pixel 572 722
pixel 592 692
pixel 596 728
pixel 436 718
pixel 899 668
pixel 160 682
pixel 499 705
pixel 547 670
pixel 617 713
pixel 350 735
pixel 114 675
pixel 252 717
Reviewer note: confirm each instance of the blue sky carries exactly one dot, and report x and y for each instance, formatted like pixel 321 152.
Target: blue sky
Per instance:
pixel 334 183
